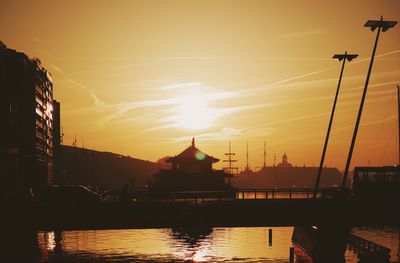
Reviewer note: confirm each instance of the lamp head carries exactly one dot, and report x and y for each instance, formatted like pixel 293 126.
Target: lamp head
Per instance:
pixel 385 25
pixel 348 57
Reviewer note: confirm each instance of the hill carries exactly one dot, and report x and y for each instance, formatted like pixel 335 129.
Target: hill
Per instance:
pixel 101 169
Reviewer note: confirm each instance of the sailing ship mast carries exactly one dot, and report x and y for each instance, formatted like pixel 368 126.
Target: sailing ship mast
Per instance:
pixel 247 156
pixel 265 152
pixel 398 121
pixel 229 160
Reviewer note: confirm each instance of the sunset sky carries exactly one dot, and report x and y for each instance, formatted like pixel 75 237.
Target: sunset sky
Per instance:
pixel 141 78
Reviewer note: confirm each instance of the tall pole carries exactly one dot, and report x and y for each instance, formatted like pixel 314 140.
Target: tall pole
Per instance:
pixel 340 57
pixel 247 156
pixel 230 158
pixel 353 140
pixel 373 24
pixel 398 119
pixel 265 152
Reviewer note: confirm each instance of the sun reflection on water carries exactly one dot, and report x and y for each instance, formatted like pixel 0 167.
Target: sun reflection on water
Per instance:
pixel 50 241
pixel 239 244
pixel 200 255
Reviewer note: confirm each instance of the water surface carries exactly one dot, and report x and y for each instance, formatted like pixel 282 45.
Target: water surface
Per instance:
pixel 247 244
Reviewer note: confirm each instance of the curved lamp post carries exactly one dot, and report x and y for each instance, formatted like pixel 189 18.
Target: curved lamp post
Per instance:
pixel 382 25
pixel 340 57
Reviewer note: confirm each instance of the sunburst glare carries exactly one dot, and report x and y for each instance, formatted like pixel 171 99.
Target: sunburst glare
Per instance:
pixel 193 112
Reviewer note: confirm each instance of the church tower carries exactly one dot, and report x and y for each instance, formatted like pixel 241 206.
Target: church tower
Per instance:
pixel 284 159
pixel 284 162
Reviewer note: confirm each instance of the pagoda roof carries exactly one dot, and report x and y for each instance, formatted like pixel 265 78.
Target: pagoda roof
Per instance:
pixel 192 152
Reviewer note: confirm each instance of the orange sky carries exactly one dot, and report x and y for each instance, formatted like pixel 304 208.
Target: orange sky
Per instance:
pixel 142 77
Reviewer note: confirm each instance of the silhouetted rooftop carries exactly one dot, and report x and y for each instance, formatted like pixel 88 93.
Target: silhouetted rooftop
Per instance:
pixel 192 153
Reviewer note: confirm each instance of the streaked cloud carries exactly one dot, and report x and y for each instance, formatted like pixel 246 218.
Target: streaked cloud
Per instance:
pixel 56 68
pixel 300 34
pixel 97 101
pixel 223 134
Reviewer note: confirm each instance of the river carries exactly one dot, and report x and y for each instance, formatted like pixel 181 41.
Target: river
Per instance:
pixel 244 244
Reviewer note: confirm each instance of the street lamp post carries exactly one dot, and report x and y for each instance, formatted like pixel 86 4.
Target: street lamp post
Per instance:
pixel 382 25
pixel 398 123
pixel 340 57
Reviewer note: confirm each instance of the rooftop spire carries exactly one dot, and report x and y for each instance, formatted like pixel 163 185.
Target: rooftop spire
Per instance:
pixel 193 142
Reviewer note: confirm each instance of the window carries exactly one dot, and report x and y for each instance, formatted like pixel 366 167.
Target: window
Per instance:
pixel 373 176
pixel 392 176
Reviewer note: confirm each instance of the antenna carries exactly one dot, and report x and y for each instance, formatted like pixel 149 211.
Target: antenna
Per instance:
pixel 398 118
pixel 229 160
pixel 247 156
pixel 75 141
pixel 274 159
pixel 265 152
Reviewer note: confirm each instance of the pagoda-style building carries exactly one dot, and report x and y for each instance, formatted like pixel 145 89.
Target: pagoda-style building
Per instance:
pixel 191 170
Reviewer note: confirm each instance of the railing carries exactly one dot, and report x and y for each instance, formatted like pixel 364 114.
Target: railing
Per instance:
pixel 289 193
pixel 236 194
pixel 177 196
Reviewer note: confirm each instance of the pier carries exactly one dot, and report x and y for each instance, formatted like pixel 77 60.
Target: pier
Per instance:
pixel 210 212
pixel 368 249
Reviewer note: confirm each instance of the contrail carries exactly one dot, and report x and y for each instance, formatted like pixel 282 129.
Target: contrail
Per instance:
pixel 315 73
pixel 377 56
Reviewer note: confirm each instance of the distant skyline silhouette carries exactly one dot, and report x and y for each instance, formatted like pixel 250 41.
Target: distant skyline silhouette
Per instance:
pixel 142 79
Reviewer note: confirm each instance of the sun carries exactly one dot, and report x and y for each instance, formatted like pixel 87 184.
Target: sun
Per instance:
pixel 193 111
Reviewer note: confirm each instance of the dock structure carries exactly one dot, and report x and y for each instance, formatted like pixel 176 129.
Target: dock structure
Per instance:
pixel 220 212
pixel 367 249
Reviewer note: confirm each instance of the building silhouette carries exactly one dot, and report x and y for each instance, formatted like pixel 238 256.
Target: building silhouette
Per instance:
pixel 286 175
pixel 191 170
pixel 284 162
pixel 57 141
pixel 192 160
pixel 26 114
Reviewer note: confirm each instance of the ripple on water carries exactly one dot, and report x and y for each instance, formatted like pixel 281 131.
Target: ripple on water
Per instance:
pixel 247 244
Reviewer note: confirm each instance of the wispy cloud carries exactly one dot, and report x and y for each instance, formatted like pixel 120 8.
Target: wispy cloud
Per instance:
pixel 317 136
pixel 300 34
pixel 177 95
pixel 295 119
pixel 126 112
pixel 279 83
pixel 233 58
pixel 173 120
pixel 376 56
pixel 186 86
pixel 56 68
pixel 223 134
pixel 290 80
pixel 365 124
pixel 98 102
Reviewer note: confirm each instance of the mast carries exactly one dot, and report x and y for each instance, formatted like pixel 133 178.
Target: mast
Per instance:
pixel 247 156
pixel 75 141
pixel 229 160
pixel 265 152
pixel 398 119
